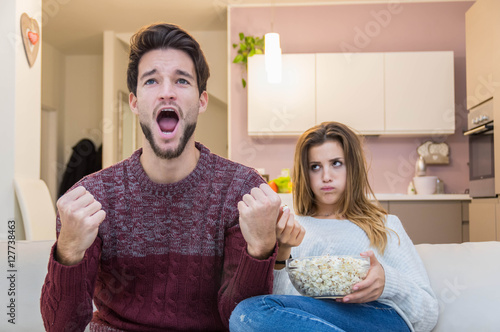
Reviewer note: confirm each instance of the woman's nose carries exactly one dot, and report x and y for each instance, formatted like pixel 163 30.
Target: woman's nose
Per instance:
pixel 327 177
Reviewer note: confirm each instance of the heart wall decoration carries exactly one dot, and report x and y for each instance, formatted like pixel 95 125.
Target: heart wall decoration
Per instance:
pixel 30 32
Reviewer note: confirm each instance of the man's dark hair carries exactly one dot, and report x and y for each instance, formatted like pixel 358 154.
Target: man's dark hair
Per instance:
pixel 165 36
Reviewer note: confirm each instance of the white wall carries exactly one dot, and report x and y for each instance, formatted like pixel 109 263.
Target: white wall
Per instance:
pixel 51 154
pixel 213 44
pixel 52 77
pixel 212 125
pixel 28 103
pixel 82 101
pixel 7 145
pixel 211 129
pixel 20 88
pixel 114 78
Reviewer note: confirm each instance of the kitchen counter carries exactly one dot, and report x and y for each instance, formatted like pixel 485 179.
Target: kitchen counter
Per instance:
pixel 288 200
pixel 440 218
pixel 436 197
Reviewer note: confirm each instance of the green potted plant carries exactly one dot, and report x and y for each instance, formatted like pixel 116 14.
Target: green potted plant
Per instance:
pixel 247 47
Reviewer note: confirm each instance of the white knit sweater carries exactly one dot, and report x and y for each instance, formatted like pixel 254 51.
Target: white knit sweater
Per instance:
pixel 407 288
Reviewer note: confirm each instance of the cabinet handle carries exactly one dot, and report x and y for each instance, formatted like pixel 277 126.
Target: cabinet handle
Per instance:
pixel 479 130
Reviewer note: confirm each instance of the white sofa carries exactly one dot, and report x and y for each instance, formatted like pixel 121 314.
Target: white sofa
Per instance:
pixel 465 278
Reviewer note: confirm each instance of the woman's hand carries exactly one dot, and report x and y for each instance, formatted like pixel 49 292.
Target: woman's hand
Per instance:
pixel 372 287
pixel 289 232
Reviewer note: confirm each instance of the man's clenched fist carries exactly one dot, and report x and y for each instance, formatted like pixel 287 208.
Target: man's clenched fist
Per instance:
pixel 80 216
pixel 258 214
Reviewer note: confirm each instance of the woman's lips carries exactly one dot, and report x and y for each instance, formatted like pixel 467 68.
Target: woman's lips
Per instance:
pixel 327 188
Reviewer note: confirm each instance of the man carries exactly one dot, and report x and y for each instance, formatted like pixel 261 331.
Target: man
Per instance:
pixel 173 237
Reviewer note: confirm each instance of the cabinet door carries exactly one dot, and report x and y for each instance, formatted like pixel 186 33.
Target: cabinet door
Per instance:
pixel 497 222
pixel 482 216
pixel 286 108
pixel 350 89
pixel 419 93
pixel 482 40
pixel 430 221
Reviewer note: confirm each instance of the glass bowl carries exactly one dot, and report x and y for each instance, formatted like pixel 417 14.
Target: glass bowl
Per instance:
pixel 328 276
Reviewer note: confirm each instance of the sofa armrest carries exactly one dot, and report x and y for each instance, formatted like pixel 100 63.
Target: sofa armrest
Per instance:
pixel 466 280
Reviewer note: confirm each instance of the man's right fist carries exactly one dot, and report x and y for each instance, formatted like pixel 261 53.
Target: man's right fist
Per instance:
pixel 80 216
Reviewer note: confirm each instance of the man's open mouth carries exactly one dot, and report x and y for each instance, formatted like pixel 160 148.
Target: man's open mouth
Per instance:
pixel 167 120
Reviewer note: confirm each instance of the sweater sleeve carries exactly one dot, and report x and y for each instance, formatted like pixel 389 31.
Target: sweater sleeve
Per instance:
pixel 407 285
pixel 243 275
pixel 66 301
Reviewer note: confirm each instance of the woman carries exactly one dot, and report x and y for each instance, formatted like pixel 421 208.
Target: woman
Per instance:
pixel 331 198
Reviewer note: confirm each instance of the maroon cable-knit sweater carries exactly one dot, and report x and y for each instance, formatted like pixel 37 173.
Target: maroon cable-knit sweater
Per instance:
pixel 168 257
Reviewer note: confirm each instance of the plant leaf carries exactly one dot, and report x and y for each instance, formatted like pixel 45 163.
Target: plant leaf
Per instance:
pixel 243 82
pixel 258 51
pixel 252 52
pixel 242 36
pixel 239 58
pixel 235 45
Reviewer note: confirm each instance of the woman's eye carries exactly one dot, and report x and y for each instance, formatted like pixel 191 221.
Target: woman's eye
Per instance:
pixel 337 163
pixel 314 167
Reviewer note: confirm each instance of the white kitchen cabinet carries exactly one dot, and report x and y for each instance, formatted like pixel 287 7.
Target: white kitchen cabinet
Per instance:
pixel 482 40
pixel 350 89
pixel 403 93
pixel 419 93
pixel 286 108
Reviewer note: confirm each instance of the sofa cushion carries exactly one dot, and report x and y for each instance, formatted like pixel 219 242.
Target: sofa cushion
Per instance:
pixel 465 278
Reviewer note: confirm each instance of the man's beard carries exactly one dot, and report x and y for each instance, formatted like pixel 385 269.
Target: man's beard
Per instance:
pixel 169 154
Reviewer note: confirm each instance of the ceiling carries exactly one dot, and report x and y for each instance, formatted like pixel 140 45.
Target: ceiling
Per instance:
pixel 76 26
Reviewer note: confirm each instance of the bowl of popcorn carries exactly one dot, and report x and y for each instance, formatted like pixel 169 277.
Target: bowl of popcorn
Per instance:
pixel 327 276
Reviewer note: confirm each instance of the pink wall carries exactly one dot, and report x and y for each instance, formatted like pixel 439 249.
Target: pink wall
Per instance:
pixel 359 28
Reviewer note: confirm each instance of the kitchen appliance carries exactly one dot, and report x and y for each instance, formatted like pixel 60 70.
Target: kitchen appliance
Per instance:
pixel 481 150
pixel 420 167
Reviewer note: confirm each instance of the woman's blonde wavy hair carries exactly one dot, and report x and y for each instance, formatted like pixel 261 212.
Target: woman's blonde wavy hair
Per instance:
pixel 355 204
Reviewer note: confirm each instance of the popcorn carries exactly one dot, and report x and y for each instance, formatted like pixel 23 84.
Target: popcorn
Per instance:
pixel 327 276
